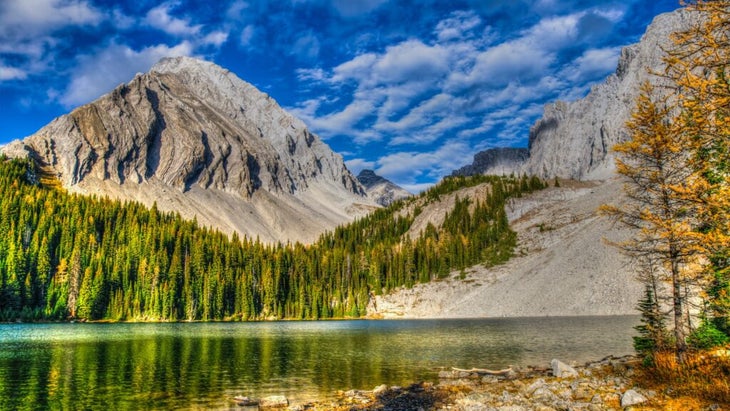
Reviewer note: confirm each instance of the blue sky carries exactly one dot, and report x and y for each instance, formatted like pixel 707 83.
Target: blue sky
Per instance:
pixel 410 88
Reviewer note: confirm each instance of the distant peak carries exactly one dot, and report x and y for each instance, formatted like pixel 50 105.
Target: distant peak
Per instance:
pixel 368 178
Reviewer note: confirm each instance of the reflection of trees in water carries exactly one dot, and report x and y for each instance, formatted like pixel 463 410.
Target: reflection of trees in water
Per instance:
pixel 200 365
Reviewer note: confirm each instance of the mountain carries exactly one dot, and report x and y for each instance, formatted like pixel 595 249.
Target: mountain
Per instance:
pixel 380 189
pixel 562 264
pixel 496 161
pixel 193 138
pixel 574 139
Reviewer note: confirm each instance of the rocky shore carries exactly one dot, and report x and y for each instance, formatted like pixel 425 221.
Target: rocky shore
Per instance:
pixel 600 385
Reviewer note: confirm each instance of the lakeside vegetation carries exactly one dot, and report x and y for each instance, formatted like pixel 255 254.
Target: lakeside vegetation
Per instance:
pixel 677 167
pixel 68 256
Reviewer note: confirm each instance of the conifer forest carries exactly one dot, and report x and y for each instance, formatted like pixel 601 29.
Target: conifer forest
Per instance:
pixel 65 256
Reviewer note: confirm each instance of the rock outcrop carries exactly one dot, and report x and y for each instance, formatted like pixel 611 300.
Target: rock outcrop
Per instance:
pixel 195 139
pixel 496 161
pixel 574 139
pixel 380 189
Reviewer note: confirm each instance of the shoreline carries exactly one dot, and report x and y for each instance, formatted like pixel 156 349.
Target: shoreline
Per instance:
pixel 606 384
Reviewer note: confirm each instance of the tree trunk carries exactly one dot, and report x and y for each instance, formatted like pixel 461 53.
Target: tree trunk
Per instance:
pixel 677 299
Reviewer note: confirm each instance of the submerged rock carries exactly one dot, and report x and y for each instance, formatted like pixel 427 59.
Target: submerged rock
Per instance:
pixel 274 401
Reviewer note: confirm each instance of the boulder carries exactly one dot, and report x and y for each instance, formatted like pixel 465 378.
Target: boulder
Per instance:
pixel 632 397
pixel 562 370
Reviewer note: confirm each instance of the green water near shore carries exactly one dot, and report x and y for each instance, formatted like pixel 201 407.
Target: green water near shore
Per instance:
pixel 204 365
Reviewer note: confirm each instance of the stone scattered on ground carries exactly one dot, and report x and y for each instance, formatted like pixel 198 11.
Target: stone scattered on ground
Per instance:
pixel 631 397
pixel 597 386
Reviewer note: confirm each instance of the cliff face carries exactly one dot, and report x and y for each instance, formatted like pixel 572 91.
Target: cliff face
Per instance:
pixel 198 140
pixel 574 139
pixel 496 161
pixel 381 190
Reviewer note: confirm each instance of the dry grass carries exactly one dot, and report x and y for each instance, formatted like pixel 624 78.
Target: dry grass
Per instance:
pixel 705 377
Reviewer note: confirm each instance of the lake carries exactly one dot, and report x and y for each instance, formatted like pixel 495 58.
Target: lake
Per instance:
pixel 204 365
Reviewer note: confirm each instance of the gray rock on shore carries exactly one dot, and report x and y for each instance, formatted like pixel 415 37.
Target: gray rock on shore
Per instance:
pixel 562 370
pixel 631 397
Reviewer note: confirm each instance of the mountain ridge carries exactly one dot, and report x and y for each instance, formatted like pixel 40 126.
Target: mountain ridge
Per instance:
pixel 573 140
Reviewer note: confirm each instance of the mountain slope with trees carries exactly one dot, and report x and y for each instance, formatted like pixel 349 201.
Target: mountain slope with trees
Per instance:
pixel 71 256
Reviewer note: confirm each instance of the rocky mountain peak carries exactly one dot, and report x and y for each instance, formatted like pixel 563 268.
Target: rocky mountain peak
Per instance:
pixel 380 189
pixel 197 139
pixel 368 178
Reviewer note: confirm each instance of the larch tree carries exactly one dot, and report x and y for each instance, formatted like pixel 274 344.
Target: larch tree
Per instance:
pixel 654 161
pixel 677 163
pixel 698 67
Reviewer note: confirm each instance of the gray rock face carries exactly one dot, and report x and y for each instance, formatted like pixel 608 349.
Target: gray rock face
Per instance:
pixel 574 139
pixel 196 139
pixel 497 161
pixel 381 190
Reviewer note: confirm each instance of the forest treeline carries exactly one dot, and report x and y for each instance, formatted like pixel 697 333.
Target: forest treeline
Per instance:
pixel 66 256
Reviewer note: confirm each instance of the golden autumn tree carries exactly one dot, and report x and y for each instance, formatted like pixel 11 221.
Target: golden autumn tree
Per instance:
pixel 665 243
pixel 677 164
pixel 698 67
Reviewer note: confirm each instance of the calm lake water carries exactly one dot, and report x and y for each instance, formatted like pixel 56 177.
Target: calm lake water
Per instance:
pixel 204 365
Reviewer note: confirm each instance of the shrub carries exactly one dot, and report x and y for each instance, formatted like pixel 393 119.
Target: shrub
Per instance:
pixel 707 336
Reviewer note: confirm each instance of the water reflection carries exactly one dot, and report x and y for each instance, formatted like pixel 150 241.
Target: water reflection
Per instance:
pixel 166 366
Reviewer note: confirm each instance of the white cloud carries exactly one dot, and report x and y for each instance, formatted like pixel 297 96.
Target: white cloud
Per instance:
pixel 316 75
pixel 45 15
pixel 458 26
pixel 356 165
pixel 592 64
pixel 11 73
pixel 408 93
pixel 356 69
pixel 100 73
pixel 160 18
pixel 411 61
pixel 306 46
pixel 406 168
pixel 216 38
pixel 26 28
pixel 553 33
pixel 247 35
pixel 236 10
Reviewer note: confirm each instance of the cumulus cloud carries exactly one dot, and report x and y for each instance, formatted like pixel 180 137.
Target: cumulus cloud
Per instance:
pixel 99 73
pixel 160 18
pixel 23 18
pixel 457 26
pixel 26 29
pixel 592 64
pixel 457 90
